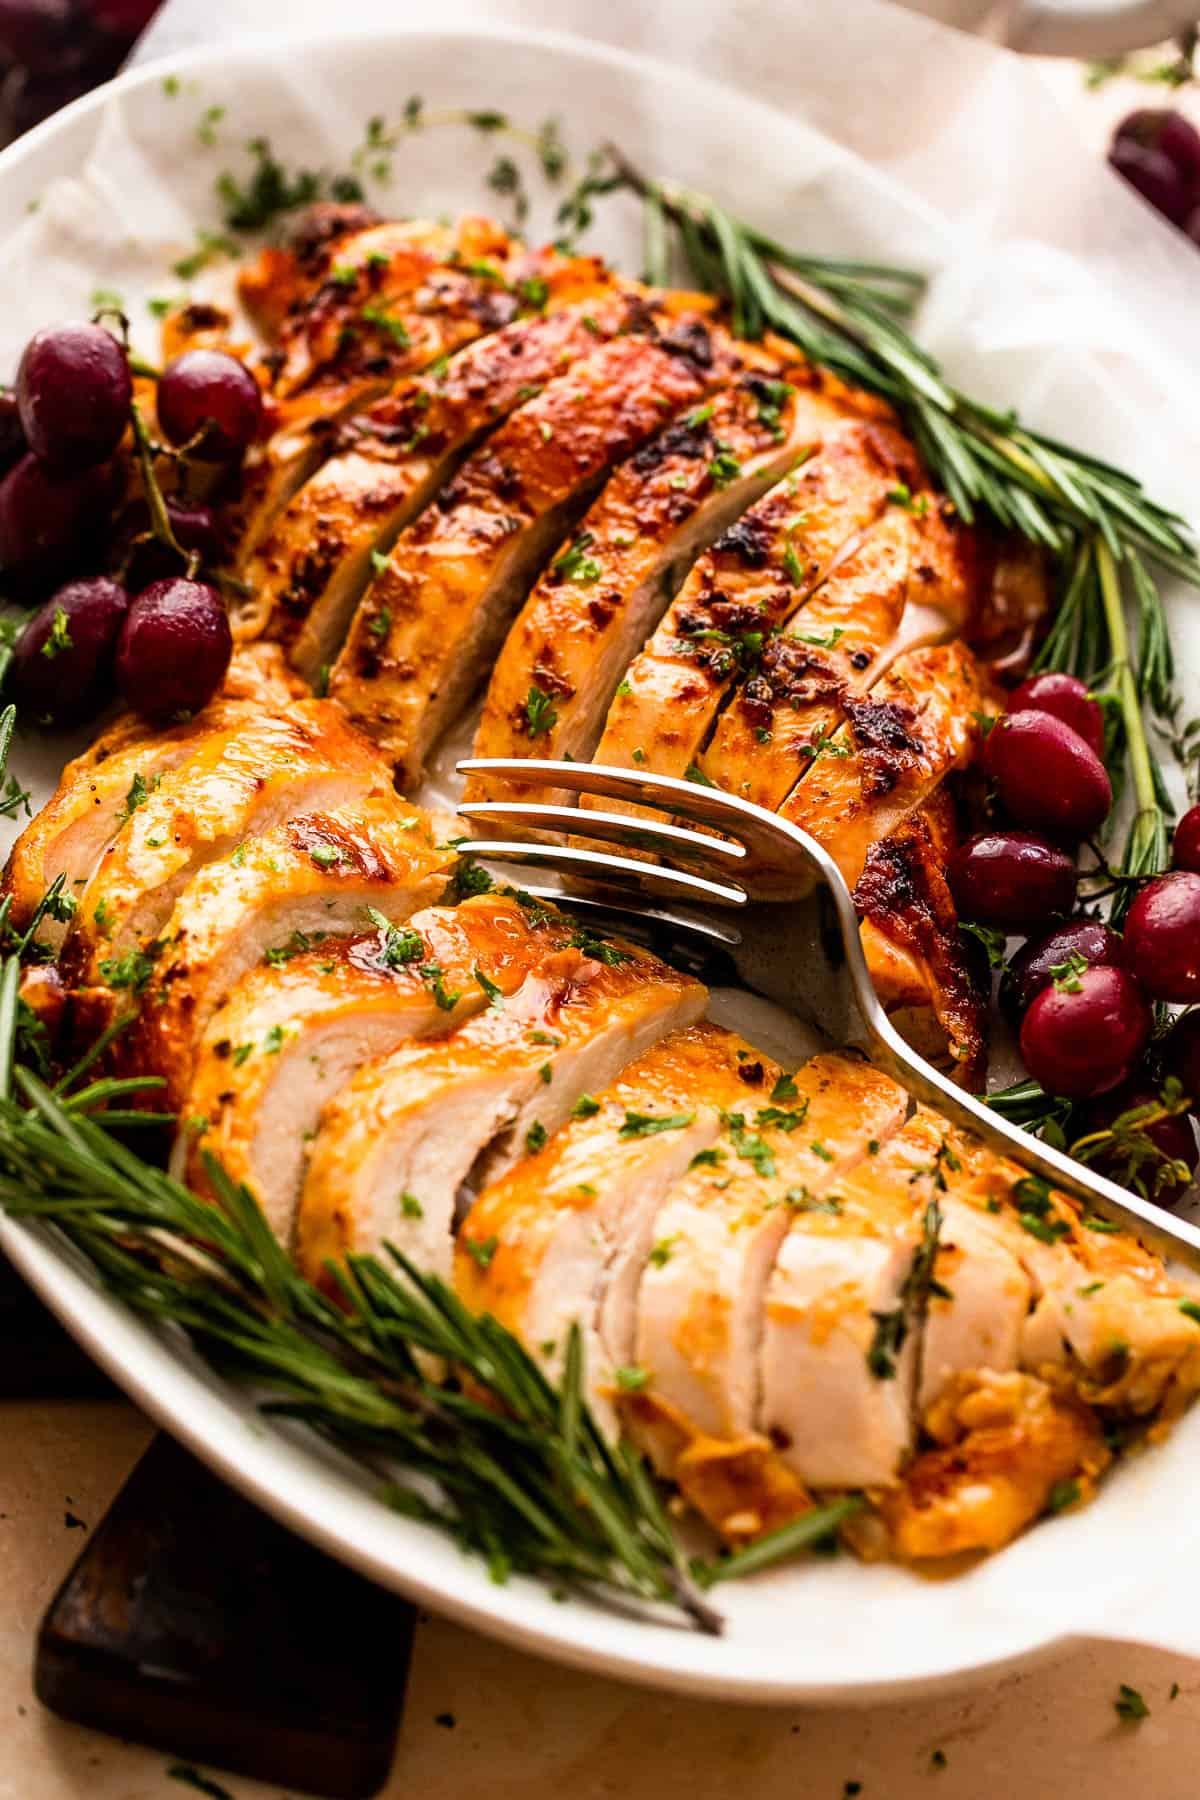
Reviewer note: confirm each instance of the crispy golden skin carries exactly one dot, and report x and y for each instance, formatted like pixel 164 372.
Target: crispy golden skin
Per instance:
pixel 576 633
pixel 432 621
pixel 387 462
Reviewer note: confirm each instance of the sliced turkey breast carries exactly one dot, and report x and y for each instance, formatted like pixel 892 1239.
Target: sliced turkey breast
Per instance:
pixel 239 781
pixel 703 1292
pixel 289 1037
pixel 566 654
pixel 282 279
pixel 753 579
pixel 922 721
pixel 378 316
pixel 396 1145
pixel 563 1237
pixel 433 621
pixel 302 884
pixel 913 945
pixel 844 1309
pixel 307 574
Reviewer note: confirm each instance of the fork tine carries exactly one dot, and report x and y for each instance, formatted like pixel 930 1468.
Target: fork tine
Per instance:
pixel 697 850
pixel 665 793
pixel 712 928
pixel 595 865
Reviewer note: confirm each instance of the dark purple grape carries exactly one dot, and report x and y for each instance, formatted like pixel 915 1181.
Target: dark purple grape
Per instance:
pixel 73 391
pixel 1173 1137
pixel 1164 129
pixel 41 35
pixel 12 438
pixel 211 393
pixel 124 19
pixel 26 99
pixel 1012 880
pixel 195 528
pixel 62 667
pixel 1181 1054
pixel 1047 777
pixel 1068 699
pixel 44 517
pixel 1185 851
pixel 1162 936
pixel 1192 225
pixel 1155 177
pixel 174 650
pixel 1083 1037
pixel 1056 958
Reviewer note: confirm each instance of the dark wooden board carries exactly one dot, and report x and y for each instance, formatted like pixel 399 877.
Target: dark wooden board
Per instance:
pixel 194 1623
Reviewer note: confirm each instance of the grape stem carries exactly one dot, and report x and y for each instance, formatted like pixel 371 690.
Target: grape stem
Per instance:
pixel 160 521
pixel 1122 678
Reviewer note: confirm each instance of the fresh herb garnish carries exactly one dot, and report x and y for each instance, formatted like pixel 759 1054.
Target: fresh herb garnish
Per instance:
pixel 640 1124
pixel 574 564
pixel 541 714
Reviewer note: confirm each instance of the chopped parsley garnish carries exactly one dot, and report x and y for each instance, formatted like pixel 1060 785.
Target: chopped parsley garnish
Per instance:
pixel 632 1380
pixel 482 1250
pixel 640 1125
pixel 1190 1310
pixel 892 1328
pixel 1062 1495
pixel 411 1207
pixel 1047 1231
pixel 533 292
pixel 752 1149
pixel 820 640
pixel 343 275
pixel 544 1037
pixel 772 397
pixel 804 1201
pixel 1094 1222
pixel 273 1041
pixel 385 321
pixel 818 1149
pixel 433 975
pixel 60 638
pixel 724 466
pixel 695 773
pixel 400 945
pixel 902 495
pixel 700 416
pixel 379 562
pixel 241 1053
pixel 535 1137
pixel 546 1074
pixel 103 917
pixel 793 568
pixel 575 564
pixel 660 1256
pixel 380 624
pixel 707 1159
pixel 325 855
pixel 470 878
pixel 586 1107
pixel 785 1089
pixel 783 1119
pixel 541 714
pixel 992 940
pixel 140 791
pixel 495 997
pixel 599 949
pixel 1129 1704
pixel 133 970
pixel 295 946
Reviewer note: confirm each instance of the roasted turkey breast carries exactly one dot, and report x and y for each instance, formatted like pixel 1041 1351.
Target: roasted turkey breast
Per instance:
pixel 396 1145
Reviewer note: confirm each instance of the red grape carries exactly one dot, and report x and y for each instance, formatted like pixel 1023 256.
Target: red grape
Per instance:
pixel 1083 1035
pixel 1155 177
pixel 1068 699
pixel 1182 1053
pixel 209 392
pixel 12 438
pixel 125 19
pixel 62 666
pixel 1186 845
pixel 1046 775
pixel 1174 1138
pixel 43 517
pixel 195 528
pixel 73 391
pixel 1162 936
pixel 1162 128
pixel 38 34
pixel 1011 879
pixel 174 650
pixel 1040 961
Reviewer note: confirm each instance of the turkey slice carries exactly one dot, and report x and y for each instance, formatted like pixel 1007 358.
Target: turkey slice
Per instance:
pixel 288 1038
pixel 432 622
pixel 396 1145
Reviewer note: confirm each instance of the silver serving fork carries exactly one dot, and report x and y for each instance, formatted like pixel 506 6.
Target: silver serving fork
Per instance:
pixel 768 894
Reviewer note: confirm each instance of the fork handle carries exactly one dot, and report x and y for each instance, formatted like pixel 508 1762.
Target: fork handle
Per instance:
pixel 1169 1236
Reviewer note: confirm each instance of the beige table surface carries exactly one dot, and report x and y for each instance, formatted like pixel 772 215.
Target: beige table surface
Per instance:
pixel 481 1719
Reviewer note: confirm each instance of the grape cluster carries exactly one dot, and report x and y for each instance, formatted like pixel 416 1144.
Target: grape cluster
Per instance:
pixel 86 530
pixel 1157 150
pixel 52 51
pixel 1080 994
